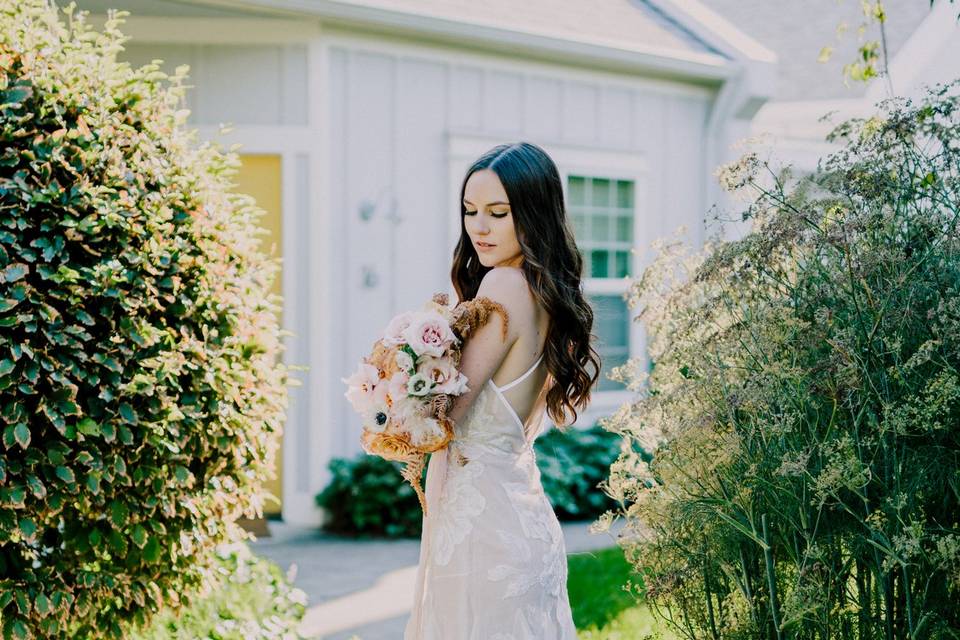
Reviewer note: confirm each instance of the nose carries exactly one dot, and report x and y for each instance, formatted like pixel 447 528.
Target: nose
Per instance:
pixel 481 225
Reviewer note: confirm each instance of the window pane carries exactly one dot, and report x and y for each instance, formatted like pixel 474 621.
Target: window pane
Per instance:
pixel 579 226
pixel 625 194
pixel 611 323
pixel 600 192
pixel 599 262
pixel 624 229
pixel 600 228
pixel 602 219
pixel 576 191
pixel 623 263
pixel 610 319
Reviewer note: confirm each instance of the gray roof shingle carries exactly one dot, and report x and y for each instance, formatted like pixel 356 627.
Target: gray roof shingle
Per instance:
pixel 796 30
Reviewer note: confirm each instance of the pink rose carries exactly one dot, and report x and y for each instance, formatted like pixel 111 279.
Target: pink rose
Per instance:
pixel 443 375
pixel 429 334
pixel 393 334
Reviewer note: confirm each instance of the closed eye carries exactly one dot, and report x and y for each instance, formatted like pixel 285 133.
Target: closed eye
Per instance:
pixel 495 215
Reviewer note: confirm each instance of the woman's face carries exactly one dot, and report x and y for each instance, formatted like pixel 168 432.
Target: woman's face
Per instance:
pixel 489 221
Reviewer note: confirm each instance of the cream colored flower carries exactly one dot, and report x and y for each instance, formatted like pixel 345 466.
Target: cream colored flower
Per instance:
pixel 443 375
pixel 418 385
pixel 404 361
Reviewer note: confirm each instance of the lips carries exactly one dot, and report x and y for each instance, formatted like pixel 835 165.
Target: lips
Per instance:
pixel 485 244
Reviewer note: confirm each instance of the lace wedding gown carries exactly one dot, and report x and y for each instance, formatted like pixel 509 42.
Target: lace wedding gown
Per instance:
pixel 492 560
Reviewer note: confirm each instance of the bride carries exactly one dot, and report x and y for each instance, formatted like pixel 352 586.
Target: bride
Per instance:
pixel 492 559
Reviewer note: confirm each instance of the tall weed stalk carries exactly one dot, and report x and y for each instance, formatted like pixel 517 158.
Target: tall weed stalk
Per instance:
pixel 804 399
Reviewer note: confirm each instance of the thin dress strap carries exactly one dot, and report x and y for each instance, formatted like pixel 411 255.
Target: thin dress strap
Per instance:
pixel 521 378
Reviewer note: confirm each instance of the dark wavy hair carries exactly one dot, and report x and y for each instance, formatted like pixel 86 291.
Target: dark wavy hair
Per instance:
pixel 551 264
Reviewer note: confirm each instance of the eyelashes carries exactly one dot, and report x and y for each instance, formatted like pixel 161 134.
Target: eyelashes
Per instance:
pixel 473 213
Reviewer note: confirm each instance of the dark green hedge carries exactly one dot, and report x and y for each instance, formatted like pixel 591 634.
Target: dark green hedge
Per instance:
pixel 572 466
pixel 367 496
pixel 140 396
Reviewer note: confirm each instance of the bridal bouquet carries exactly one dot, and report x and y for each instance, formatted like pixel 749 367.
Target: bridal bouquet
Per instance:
pixel 405 387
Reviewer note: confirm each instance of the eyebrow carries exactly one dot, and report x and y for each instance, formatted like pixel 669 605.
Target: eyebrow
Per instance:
pixel 465 201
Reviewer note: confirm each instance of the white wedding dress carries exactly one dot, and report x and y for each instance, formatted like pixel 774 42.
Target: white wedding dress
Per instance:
pixel 493 564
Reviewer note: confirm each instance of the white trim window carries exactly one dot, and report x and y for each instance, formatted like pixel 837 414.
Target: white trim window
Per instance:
pixel 602 213
pixel 606 199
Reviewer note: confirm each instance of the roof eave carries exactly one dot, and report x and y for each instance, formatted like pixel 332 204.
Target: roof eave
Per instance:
pixel 702 67
pixel 754 83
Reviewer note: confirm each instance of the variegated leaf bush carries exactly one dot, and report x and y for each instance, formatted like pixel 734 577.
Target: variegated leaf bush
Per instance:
pixel 141 386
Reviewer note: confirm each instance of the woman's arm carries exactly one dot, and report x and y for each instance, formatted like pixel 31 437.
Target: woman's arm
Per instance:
pixel 486 348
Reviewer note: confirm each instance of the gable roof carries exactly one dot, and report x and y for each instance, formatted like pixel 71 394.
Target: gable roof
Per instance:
pixel 626 24
pixel 797 30
pixel 618 23
pixel 624 34
pixel 670 39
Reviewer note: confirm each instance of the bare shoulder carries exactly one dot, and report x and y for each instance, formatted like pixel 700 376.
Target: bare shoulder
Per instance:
pixel 506 285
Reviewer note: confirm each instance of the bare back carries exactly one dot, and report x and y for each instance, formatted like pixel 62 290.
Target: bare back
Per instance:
pixel 523 395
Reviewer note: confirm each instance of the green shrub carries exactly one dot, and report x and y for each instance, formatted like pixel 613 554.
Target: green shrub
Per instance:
pixel 572 466
pixel 806 398
pixel 141 397
pixel 367 496
pixel 255 602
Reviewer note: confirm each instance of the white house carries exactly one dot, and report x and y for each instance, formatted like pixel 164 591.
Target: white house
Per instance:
pixel 358 119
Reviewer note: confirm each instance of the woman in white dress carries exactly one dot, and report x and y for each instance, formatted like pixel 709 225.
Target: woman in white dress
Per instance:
pixel 492 559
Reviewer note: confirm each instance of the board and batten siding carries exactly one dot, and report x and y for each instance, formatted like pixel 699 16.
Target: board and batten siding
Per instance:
pixel 258 84
pixel 366 129
pixel 391 118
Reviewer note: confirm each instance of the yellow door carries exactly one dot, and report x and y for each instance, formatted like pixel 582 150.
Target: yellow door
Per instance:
pixel 260 177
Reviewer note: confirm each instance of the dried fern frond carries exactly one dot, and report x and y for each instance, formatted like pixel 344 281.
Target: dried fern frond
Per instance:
pixel 470 315
pixel 412 473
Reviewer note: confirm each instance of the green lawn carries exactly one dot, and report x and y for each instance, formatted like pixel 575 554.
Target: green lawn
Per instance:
pixel 602 610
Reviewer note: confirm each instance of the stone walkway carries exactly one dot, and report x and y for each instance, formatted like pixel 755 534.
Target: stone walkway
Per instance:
pixel 363 589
